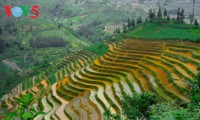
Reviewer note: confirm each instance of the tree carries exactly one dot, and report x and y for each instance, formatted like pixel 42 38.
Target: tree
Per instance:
pixel 124 28
pixel 133 23
pixel 182 16
pixel 139 20
pixel 192 15
pixel 178 18
pixel 2 45
pixel 146 20
pixel 168 18
pixel 110 116
pixel 151 14
pixel 159 15
pixel 114 32
pixel 195 96
pixel 196 24
pixel 129 23
pixel 165 13
pixel 118 30
pixel 138 106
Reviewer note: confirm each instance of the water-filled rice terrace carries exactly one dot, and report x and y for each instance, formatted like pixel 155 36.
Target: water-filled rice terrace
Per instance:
pixel 84 90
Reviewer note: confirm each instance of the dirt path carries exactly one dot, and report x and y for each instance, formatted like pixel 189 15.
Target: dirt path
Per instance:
pixel 12 65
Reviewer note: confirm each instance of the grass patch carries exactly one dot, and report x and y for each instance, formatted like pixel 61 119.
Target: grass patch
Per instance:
pixel 99 48
pixel 164 31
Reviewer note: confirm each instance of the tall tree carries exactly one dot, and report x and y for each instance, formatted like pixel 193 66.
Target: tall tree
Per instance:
pixel 138 106
pixel 159 15
pixel 129 23
pixel 117 31
pixel 139 20
pixel 165 13
pixel 151 14
pixel 191 16
pixel 182 16
pixel 178 15
pixel 133 23
pixel 124 28
pixel 168 18
pixel 196 24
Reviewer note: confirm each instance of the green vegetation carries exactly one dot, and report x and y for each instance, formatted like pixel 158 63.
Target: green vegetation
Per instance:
pixel 180 110
pixel 195 93
pixel 168 31
pixel 34 62
pixel 161 27
pixel 99 48
pixel 33 46
pixel 110 116
pixel 174 111
pixel 138 105
pixel 39 46
pixel 25 110
pixel 147 106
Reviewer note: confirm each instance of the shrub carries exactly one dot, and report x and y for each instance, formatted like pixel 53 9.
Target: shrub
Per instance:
pixel 110 116
pixel 195 93
pixel 172 111
pixel 25 110
pixel 138 105
pixel 198 68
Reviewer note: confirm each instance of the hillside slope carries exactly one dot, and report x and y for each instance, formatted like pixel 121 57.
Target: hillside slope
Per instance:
pixel 165 68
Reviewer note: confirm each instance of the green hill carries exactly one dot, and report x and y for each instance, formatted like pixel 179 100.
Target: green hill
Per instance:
pixel 165 31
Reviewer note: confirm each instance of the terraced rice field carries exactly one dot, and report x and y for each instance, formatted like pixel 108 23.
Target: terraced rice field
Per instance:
pixel 61 69
pixel 165 68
